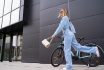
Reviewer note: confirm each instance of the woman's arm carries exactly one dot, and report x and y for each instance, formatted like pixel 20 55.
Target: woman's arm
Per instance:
pixel 60 27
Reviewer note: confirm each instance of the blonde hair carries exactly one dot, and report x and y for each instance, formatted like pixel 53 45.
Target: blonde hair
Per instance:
pixel 64 11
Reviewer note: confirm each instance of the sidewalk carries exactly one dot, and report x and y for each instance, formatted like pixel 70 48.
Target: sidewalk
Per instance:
pixel 36 66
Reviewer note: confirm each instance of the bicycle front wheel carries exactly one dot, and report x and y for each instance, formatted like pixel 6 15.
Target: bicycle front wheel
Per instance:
pixel 57 57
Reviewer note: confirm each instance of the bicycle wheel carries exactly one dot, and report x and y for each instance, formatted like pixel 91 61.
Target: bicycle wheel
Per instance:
pixel 97 60
pixel 93 60
pixel 57 57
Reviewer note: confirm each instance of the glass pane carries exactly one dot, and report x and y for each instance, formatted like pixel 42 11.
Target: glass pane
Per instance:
pixel 15 16
pixel 16 3
pixel 22 2
pixel 21 13
pixel 0 47
pixel 7 40
pixel 1 7
pixel 7 48
pixel 0 22
pixel 6 20
pixel 7 6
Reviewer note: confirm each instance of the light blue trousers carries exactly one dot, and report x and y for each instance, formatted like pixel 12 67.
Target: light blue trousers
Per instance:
pixel 70 40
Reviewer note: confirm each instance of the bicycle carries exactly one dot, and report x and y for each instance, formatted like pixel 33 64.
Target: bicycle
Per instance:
pixel 57 56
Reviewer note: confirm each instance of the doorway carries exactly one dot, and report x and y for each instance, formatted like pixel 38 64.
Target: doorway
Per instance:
pixel 12 48
pixel 17 47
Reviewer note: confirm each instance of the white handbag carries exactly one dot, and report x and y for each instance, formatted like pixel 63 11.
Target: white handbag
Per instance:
pixel 46 43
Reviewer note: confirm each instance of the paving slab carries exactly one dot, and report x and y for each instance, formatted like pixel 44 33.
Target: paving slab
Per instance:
pixel 37 66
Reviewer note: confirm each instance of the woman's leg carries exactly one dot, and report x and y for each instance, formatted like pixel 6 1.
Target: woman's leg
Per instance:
pixel 67 52
pixel 79 47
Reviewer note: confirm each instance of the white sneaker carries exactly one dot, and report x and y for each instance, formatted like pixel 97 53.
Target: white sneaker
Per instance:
pixel 64 68
pixel 97 52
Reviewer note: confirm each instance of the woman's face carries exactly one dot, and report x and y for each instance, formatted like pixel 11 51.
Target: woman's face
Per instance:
pixel 61 13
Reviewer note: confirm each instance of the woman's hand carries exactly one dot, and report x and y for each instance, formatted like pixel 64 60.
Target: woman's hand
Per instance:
pixel 51 37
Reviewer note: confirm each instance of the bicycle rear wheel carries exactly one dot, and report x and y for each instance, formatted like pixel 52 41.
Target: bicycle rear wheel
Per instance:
pixel 57 57
pixel 93 60
pixel 97 60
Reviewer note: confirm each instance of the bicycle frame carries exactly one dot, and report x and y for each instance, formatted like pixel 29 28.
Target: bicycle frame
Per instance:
pixel 78 53
pixel 82 57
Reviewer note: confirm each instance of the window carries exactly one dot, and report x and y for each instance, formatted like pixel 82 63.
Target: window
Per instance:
pixel 6 20
pixel 16 4
pixel 22 2
pixel 7 7
pixel 10 11
pixel 21 13
pixel 15 16
pixel 1 7
pixel 0 47
pixel 7 40
pixel 0 22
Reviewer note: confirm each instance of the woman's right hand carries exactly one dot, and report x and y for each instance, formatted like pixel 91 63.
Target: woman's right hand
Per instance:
pixel 50 38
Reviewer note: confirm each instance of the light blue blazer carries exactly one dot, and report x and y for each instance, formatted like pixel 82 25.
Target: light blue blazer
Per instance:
pixel 65 25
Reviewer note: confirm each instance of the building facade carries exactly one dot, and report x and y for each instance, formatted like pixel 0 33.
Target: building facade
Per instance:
pixel 40 21
pixel 11 24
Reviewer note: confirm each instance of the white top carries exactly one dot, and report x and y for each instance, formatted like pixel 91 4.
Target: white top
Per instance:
pixel 14 41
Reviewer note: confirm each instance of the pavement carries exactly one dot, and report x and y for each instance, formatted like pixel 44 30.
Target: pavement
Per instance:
pixel 37 66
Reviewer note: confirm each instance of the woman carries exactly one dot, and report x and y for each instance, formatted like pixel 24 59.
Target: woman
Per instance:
pixel 68 30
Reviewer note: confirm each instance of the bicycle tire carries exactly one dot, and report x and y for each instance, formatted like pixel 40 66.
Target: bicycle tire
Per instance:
pixel 93 60
pixel 57 57
pixel 101 51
